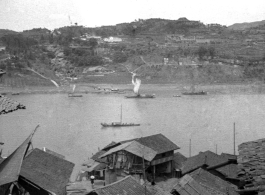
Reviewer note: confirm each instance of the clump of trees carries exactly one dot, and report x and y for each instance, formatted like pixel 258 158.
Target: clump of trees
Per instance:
pixel 206 52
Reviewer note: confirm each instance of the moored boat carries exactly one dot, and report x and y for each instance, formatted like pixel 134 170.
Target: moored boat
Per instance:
pixel 141 96
pixel 195 93
pixel 119 124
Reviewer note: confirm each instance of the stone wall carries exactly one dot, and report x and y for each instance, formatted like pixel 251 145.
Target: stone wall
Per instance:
pixel 251 162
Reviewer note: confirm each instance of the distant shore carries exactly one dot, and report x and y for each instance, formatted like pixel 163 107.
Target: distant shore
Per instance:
pixel 85 88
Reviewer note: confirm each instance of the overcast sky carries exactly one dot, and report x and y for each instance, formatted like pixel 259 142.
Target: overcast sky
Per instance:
pixel 21 15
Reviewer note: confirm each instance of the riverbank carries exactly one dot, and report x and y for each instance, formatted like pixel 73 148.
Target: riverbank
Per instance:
pixel 85 88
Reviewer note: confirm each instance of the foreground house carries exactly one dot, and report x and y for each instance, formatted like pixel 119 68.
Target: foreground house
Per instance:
pixel 34 172
pixel 147 157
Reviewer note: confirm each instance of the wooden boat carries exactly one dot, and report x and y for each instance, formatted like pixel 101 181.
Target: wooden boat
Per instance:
pixel 195 93
pixel 176 95
pixel 141 96
pixel 74 95
pixel 119 124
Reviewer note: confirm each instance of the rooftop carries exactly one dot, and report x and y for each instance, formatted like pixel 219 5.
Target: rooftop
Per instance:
pixel 47 171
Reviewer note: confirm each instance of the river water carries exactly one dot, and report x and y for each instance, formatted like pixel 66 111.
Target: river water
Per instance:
pixel 71 126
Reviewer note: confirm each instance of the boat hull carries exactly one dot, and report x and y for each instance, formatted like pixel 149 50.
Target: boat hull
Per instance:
pixel 119 124
pixel 195 93
pixel 75 95
pixel 141 96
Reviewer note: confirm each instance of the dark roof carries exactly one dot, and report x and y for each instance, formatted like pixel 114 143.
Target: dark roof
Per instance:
pixel 158 143
pixel 10 166
pixel 126 186
pixel 96 156
pixel 109 146
pixel 201 182
pixel 47 171
pixel 213 183
pixel 178 160
pixel 7 105
pixel 203 158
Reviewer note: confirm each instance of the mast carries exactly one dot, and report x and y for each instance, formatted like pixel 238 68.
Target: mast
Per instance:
pixel 234 138
pixel 121 113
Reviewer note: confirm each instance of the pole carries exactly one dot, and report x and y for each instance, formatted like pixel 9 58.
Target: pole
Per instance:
pixel 216 148
pixel 121 113
pixel 234 138
pixel 190 147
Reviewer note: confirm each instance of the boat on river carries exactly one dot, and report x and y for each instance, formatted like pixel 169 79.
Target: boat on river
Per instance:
pixel 141 96
pixel 73 94
pixel 119 124
pixel 195 93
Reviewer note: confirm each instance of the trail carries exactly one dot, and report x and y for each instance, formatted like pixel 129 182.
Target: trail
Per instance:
pixel 43 76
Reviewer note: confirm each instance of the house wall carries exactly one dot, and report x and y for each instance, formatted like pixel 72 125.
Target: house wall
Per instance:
pixel 110 176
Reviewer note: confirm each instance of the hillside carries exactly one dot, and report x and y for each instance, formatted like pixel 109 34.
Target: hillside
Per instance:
pixel 246 25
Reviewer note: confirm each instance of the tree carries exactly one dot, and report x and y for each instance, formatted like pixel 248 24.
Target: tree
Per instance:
pixel 212 52
pixel 202 51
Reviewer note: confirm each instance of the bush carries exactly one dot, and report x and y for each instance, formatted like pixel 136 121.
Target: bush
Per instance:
pixel 119 57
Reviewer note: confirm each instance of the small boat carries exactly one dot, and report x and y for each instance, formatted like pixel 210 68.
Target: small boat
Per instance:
pixel 176 95
pixel 141 96
pixel 119 124
pixel 15 93
pixel 195 93
pixel 74 95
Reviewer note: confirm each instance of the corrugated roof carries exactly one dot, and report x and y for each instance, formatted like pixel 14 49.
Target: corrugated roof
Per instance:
pixel 10 166
pixel 135 148
pixel 8 105
pixel 95 167
pixel 126 186
pixel 47 171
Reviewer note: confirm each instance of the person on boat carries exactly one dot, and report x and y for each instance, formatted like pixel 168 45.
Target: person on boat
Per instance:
pixel 136 82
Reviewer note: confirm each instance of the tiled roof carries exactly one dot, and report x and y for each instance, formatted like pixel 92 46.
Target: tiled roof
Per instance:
pixel 126 186
pixel 203 158
pixel 8 105
pixel 178 160
pixel 158 143
pixel 47 171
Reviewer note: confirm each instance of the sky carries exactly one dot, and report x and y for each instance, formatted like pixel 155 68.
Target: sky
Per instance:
pixel 22 15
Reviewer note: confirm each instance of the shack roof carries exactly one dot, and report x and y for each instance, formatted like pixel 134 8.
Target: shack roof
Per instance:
pixel 135 148
pixel 179 160
pixel 47 171
pixel 128 186
pixel 203 158
pixel 8 105
pixel 201 182
pixel 158 143
pixel 96 156
pixel 10 167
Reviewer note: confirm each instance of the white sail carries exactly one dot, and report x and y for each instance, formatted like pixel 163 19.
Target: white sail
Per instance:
pixel 73 88
pixel 136 84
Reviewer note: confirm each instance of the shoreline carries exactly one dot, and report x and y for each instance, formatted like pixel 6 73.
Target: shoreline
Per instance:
pixel 90 88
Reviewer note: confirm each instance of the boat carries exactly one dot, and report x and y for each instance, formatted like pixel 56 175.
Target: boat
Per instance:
pixel 73 94
pixel 195 93
pixel 141 96
pixel 119 124
pixel 176 95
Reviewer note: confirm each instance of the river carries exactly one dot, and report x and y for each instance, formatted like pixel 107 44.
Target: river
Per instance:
pixel 71 126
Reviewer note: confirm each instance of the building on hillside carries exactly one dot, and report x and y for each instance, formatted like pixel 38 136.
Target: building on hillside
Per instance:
pixel 112 39
pixel 151 156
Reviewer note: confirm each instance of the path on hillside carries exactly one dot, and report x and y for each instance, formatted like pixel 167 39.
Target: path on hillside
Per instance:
pixel 43 76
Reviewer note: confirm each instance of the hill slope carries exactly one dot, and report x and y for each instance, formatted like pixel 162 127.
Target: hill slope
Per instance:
pixel 246 25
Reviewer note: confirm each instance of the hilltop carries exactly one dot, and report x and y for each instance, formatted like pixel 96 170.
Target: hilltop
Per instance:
pixel 246 25
pixel 162 51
